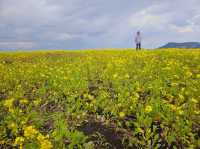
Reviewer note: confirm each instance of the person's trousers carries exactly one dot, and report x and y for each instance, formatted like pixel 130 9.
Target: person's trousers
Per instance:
pixel 138 46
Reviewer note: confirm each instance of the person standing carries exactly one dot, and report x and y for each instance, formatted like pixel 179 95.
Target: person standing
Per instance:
pixel 138 41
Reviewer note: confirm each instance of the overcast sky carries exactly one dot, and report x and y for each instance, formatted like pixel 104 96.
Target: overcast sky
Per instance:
pixel 83 24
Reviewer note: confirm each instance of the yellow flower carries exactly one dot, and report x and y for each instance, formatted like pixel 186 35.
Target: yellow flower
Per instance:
pixel 174 84
pixel 115 76
pixel 180 112
pixel 12 126
pixel 23 101
pixel 194 100
pixel 183 89
pixel 167 68
pixel 30 132
pixel 23 122
pixel 40 137
pixel 119 105
pixel 197 112
pixel 9 103
pixel 188 74
pixel 173 107
pixel 19 141
pixel 127 76
pixel 90 97
pixel 84 114
pixel 176 76
pixel 121 114
pixel 181 96
pixel 198 76
pixel 46 144
pixel 37 102
pixel 148 109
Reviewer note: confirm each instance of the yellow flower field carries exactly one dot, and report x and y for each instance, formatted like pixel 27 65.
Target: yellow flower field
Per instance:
pixel 100 99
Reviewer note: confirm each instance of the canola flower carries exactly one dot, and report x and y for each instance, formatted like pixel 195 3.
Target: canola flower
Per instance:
pixel 166 68
pixel 188 74
pixel 121 114
pixel 148 109
pixel 194 100
pixel 12 126
pixel 44 142
pixel 179 111
pixel 19 141
pixel 9 104
pixel 176 109
pixel 181 96
pixel 197 112
pixel 37 102
pixel 121 81
pixel 90 97
pixel 174 84
pixel 127 76
pixel 30 132
pixel 115 75
pixel 23 101
pixel 176 76
pixel 173 107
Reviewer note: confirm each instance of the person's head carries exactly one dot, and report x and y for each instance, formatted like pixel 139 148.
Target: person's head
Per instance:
pixel 138 32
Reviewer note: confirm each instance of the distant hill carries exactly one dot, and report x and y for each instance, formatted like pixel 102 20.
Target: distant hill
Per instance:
pixel 182 45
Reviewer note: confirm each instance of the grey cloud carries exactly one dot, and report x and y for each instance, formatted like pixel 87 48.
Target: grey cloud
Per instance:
pixel 74 24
